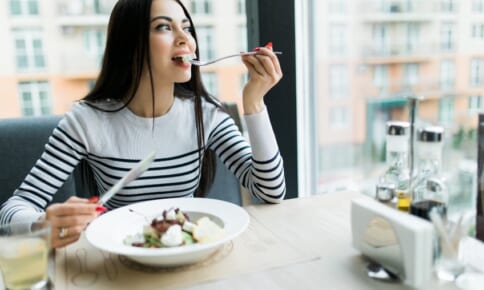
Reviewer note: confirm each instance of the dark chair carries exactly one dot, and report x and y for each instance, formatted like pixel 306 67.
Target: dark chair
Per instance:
pixel 22 142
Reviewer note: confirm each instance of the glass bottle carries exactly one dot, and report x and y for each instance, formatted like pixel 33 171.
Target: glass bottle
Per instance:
pixel 395 181
pixel 429 164
pixel 429 190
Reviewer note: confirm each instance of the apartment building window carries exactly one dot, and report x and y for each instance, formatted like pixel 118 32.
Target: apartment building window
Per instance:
pixel 447 74
pixel 478 6
pixel 447 33
pixel 478 31
pixel 35 98
pixel 201 7
pixel 338 81
pixel 242 29
pixel 448 6
pixel 476 72
pixel 241 7
pixel 412 39
pixel 446 110
pixel 475 103
pixel 380 39
pixel 24 7
pixel 211 83
pixel 411 73
pixel 380 76
pixel 339 117
pixel 338 6
pixel 337 40
pixel 29 50
pixel 206 42
pixel 95 41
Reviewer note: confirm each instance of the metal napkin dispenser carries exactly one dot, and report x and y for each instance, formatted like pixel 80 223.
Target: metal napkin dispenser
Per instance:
pixel 401 243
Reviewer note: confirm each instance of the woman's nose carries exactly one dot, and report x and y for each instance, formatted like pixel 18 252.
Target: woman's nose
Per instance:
pixel 181 38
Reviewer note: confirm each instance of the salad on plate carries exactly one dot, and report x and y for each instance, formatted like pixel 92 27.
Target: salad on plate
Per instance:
pixel 173 228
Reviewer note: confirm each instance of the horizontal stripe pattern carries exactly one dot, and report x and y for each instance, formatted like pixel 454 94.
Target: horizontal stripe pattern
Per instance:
pixel 168 177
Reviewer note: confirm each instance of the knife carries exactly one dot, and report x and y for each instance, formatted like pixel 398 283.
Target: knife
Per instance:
pixel 136 171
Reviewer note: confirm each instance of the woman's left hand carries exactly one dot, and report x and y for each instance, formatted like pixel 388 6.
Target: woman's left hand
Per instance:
pixel 264 73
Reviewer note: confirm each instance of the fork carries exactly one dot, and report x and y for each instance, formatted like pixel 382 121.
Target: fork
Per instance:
pixel 202 63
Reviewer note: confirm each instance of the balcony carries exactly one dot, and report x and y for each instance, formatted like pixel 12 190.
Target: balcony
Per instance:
pixel 84 13
pixel 399 51
pixel 429 88
pixel 397 11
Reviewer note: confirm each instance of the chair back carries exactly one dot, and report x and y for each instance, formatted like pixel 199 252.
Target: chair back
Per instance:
pixel 22 141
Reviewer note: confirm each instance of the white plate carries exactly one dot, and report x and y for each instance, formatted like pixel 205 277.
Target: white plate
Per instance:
pixel 108 231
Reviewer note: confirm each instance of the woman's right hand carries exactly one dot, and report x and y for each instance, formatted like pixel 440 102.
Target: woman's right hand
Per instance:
pixel 70 218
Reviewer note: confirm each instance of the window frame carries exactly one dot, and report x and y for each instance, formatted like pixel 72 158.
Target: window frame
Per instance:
pixel 275 21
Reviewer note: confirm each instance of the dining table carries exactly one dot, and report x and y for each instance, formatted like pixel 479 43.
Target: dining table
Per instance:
pixel 302 243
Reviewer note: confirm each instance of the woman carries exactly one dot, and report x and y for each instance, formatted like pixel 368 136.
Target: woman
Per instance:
pixel 146 100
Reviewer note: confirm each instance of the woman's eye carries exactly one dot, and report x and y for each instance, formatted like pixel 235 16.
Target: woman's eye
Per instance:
pixel 188 29
pixel 162 27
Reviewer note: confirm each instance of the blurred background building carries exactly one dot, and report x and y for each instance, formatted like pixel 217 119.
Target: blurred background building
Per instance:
pixel 370 55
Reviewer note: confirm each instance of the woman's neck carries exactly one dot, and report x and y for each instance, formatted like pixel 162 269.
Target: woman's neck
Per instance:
pixel 142 103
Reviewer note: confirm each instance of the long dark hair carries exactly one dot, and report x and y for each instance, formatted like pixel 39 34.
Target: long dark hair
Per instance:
pixel 127 51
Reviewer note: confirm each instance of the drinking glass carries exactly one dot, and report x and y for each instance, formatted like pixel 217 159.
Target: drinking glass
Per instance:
pixel 24 251
pixel 448 263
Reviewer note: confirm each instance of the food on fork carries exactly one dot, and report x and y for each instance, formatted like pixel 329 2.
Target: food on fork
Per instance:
pixel 173 228
pixel 183 58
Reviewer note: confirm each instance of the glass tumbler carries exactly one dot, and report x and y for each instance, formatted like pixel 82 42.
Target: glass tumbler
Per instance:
pixel 24 251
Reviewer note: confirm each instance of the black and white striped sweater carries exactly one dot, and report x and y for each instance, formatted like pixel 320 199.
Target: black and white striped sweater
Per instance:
pixel 113 142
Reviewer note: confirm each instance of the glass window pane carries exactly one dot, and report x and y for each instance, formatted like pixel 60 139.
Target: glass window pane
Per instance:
pixel 33 7
pixel 388 56
pixel 15 7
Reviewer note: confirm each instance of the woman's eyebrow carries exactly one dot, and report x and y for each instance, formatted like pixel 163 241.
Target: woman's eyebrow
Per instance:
pixel 162 17
pixel 167 18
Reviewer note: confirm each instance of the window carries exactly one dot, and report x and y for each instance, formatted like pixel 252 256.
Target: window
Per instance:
pixel 35 98
pixel 478 31
pixel 95 41
pixel 337 41
pixel 338 6
pixel 206 42
pixel 446 110
pixel 24 7
pixel 447 37
pixel 241 7
pixel 447 75
pixel 448 6
pixel 339 117
pixel 413 31
pixel 242 29
pixel 475 103
pixel 411 72
pixel 476 72
pixel 201 7
pixel 478 6
pixel 210 81
pixel 380 39
pixel 380 76
pixel 338 83
pixel 29 50
pixel 378 80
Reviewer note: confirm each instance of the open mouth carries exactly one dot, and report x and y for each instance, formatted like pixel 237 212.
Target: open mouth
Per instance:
pixel 182 59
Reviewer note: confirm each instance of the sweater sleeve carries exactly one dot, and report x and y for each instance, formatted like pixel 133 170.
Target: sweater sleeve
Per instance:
pixel 60 156
pixel 258 165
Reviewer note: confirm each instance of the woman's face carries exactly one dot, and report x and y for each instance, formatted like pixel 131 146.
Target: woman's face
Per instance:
pixel 170 36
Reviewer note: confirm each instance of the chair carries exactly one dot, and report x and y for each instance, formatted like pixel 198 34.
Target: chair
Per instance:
pixel 22 143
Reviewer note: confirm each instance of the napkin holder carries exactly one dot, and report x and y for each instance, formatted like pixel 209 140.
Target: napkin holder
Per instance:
pixel 401 243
